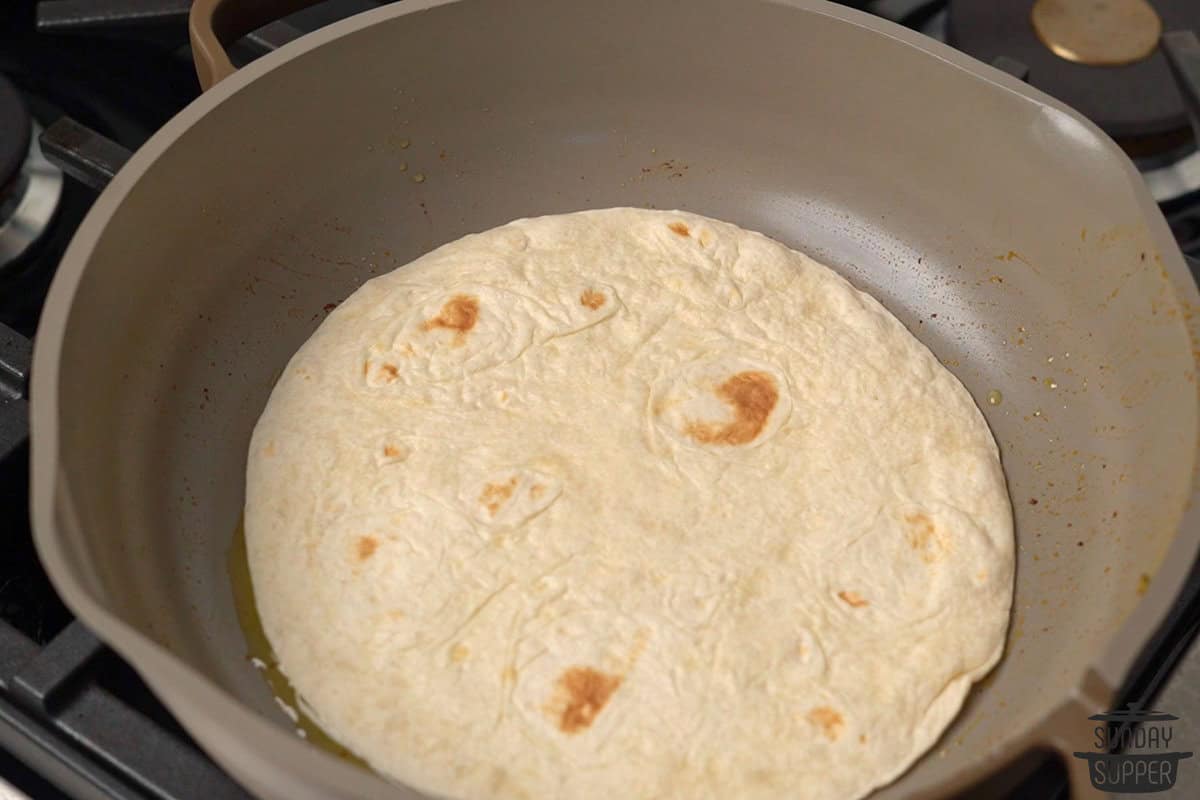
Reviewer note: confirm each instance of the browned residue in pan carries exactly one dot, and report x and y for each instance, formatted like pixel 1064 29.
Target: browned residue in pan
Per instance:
pixel 1012 255
pixel 1119 233
pixel 752 396
pixel 671 168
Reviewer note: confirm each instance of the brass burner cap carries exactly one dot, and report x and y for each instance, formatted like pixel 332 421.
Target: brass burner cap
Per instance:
pixel 1101 33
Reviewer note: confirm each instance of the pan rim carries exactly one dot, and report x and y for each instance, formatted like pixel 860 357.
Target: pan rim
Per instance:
pixel 192 696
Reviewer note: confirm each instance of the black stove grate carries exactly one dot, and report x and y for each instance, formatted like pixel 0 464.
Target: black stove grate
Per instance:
pixel 75 720
pixel 78 718
pixel 73 716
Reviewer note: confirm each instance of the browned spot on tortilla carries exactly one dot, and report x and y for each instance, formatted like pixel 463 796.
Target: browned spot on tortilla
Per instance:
pixel 366 368
pixel 536 491
pixel 459 653
pixel 752 396
pixel 922 529
pixel 592 299
pixel 494 495
pixel 391 451
pixel 853 599
pixel 366 547
pixel 581 694
pixel 391 371
pixel 269 450
pixel 459 314
pixel 679 228
pixel 829 721
pixel 862 738
pixel 924 536
pixel 509 674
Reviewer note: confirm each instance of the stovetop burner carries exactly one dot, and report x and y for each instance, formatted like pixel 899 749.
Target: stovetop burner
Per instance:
pixel 15 128
pixel 30 186
pixel 1098 56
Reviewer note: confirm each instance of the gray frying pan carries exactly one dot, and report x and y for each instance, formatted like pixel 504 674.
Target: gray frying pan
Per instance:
pixel 1007 232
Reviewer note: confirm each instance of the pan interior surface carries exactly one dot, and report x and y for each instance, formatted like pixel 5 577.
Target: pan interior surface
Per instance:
pixel 1008 236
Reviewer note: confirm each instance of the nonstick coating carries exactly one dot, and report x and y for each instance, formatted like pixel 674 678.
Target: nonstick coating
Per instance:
pixel 1004 231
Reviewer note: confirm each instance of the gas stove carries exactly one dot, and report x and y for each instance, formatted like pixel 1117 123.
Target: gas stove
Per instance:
pixel 85 82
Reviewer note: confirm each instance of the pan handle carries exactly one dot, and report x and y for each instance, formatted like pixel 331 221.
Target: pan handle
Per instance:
pixel 213 24
pixel 1069 731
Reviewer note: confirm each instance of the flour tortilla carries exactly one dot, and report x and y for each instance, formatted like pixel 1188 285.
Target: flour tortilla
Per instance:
pixel 632 504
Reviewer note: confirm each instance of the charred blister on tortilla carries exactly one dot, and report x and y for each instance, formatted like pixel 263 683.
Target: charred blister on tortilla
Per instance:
pixel 924 536
pixel 590 298
pixel 579 696
pixel 447 335
pixel 391 452
pixel 828 721
pixel 573 307
pixel 452 334
pixel 458 315
pixel 508 498
pixel 853 599
pixel 721 403
pixel 751 396
pixel 702 235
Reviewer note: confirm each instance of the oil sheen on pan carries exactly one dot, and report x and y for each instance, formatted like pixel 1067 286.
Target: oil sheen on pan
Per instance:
pixel 627 503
